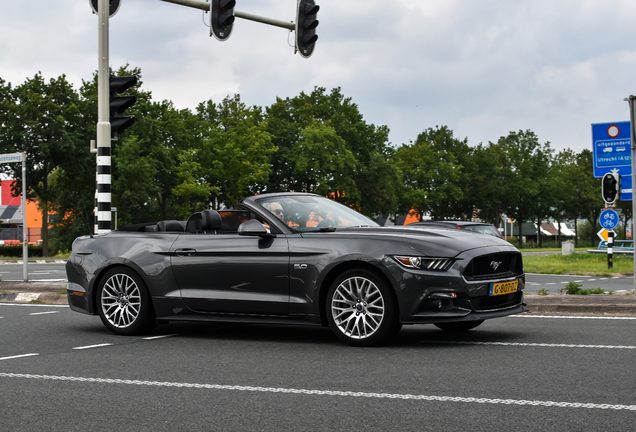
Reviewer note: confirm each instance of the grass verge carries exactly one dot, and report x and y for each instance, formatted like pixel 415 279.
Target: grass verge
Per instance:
pixel 579 263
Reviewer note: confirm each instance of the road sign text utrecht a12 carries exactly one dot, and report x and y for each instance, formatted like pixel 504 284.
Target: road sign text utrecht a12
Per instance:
pixel 612 148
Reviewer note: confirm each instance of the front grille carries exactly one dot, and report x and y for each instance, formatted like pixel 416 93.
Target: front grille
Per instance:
pixel 495 302
pixel 494 266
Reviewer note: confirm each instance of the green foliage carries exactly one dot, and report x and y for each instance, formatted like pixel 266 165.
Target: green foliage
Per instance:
pixel 574 288
pixel 543 292
pixel 431 172
pixel 577 263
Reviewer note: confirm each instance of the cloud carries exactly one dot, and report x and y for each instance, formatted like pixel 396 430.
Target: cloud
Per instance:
pixel 482 68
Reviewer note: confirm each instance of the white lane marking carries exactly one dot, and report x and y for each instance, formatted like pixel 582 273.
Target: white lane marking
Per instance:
pixel 329 392
pixel 551 283
pixel 529 344
pixel 19 356
pixel 44 313
pixel 590 280
pixel 576 317
pixel 564 282
pixel 34 305
pixel 92 346
pixel 557 275
pixel 159 337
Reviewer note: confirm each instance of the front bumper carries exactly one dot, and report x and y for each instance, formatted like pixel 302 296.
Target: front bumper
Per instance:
pixel 468 309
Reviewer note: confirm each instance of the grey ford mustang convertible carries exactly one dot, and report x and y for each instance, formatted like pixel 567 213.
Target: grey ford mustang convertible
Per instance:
pixel 294 258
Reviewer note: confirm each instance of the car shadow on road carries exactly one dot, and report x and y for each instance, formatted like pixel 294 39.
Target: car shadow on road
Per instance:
pixel 425 336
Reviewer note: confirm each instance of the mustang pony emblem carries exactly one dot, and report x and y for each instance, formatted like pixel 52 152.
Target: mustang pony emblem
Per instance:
pixel 495 265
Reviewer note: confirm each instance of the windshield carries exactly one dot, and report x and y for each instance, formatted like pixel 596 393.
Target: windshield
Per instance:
pixel 305 213
pixel 484 229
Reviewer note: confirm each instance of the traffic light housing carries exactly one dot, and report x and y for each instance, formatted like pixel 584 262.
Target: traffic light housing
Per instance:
pixel 611 188
pixel 119 104
pixel 306 23
pixel 221 18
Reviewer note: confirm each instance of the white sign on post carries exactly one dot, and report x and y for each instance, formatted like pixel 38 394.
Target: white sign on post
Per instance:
pixel 11 158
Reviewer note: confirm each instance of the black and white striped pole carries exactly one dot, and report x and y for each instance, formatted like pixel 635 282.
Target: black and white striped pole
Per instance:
pixel 610 249
pixel 103 189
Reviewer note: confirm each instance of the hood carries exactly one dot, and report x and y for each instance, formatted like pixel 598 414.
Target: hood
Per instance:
pixel 432 241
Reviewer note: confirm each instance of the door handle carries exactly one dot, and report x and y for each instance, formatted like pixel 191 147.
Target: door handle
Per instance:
pixel 185 252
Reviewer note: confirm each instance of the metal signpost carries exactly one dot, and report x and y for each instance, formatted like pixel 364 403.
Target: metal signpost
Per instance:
pixel 632 118
pixel 11 158
pixel 609 221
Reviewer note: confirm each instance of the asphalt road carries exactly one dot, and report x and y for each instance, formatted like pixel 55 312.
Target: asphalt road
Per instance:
pixel 553 283
pixel 62 371
pixel 42 272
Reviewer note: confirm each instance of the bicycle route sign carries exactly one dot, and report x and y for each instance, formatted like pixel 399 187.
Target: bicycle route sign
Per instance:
pixel 609 219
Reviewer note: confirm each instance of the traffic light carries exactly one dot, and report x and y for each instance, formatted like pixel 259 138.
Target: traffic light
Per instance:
pixel 306 23
pixel 222 18
pixel 610 188
pixel 119 104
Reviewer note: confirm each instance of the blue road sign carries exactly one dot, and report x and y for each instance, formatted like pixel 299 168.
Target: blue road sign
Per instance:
pixel 612 148
pixel 609 219
pixel 626 188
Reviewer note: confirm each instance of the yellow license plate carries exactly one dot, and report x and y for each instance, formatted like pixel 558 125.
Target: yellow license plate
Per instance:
pixel 503 287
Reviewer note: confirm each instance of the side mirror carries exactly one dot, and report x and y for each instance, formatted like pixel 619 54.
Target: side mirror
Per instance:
pixel 254 228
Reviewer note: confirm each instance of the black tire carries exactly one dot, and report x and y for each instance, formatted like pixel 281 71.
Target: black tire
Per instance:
pixel 459 326
pixel 361 309
pixel 124 304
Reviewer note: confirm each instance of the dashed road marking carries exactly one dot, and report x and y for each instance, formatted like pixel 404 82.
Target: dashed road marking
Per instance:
pixel 34 305
pixel 350 394
pixel 159 337
pixel 92 346
pixel 19 356
pixel 575 317
pixel 529 344
pixel 44 313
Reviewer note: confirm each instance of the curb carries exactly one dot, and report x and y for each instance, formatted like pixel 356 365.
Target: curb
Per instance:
pixel 582 304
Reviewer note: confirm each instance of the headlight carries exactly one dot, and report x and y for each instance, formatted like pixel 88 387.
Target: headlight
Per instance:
pixel 422 263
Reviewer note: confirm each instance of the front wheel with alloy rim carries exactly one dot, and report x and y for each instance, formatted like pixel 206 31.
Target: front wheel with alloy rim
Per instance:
pixel 124 304
pixel 361 309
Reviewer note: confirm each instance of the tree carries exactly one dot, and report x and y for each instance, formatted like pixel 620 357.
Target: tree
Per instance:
pixel 430 173
pixel 519 156
pixel 236 152
pixel 372 186
pixel 44 121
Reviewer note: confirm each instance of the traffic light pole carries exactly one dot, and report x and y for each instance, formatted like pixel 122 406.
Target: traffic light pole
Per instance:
pixel 205 6
pixel 632 119
pixel 103 180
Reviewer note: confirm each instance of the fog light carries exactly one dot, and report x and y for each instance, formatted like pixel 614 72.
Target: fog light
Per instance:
pixel 443 295
pixel 440 305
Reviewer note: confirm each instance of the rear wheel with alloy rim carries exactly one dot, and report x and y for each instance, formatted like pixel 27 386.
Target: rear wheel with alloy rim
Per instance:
pixel 459 326
pixel 124 304
pixel 361 309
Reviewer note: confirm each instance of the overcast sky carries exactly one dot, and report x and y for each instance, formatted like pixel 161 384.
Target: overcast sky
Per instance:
pixel 481 67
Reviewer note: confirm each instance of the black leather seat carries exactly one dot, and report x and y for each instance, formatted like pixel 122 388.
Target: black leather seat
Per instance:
pixel 207 221
pixel 170 226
